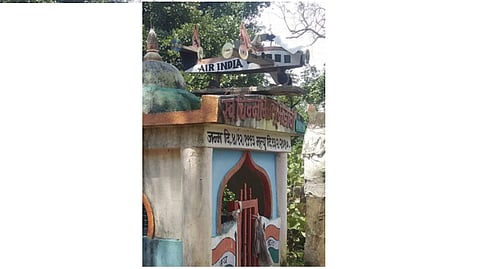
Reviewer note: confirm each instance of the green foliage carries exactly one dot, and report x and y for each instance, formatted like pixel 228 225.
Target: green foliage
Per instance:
pixel 315 85
pixel 27 1
pixel 217 22
pixel 63 1
pixel 296 205
pixel 247 10
pixel 228 196
pixel 313 81
pixel 200 81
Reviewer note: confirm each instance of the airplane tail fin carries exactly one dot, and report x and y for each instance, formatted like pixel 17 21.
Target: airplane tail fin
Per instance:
pixel 189 58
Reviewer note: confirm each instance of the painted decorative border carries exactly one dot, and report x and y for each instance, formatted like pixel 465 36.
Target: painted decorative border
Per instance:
pixel 151 221
pixel 248 160
pixel 224 248
pixel 272 234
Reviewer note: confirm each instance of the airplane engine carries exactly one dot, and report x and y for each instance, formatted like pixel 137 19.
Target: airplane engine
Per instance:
pixel 280 77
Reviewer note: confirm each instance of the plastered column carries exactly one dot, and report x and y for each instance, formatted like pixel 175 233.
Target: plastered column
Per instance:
pixel 163 187
pixel 197 211
pixel 281 171
pixel 313 152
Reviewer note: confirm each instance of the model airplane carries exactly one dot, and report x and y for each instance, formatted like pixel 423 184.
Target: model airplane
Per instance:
pixel 244 57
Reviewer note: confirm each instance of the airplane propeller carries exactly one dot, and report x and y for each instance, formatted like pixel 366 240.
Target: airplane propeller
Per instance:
pixel 227 50
pixel 200 53
pixel 243 52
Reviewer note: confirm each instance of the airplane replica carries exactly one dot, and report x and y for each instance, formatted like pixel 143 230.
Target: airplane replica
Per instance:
pixel 246 57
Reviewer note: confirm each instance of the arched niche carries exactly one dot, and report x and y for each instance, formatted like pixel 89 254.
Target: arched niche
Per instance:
pixel 149 226
pixel 247 171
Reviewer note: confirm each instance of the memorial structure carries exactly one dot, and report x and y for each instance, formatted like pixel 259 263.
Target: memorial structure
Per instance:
pixel 214 173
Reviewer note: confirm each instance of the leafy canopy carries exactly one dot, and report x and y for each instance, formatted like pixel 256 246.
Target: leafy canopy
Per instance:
pixel 217 22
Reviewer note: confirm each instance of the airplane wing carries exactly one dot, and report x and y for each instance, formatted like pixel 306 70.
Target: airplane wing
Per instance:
pixel 284 90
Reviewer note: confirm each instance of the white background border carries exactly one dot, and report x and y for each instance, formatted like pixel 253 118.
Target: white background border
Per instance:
pixel 402 135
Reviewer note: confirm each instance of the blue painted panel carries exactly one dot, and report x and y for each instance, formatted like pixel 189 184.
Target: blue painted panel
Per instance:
pixel 162 252
pixel 224 159
pixel 267 160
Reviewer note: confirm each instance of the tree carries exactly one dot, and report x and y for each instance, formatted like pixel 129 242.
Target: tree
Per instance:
pixel 27 1
pixel 313 81
pixel 217 23
pixel 65 1
pixel 307 18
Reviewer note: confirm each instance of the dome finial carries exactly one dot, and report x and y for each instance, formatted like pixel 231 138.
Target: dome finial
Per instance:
pixel 152 47
pixel 152 42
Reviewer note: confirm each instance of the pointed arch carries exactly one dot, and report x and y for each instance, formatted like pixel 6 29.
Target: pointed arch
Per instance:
pixel 247 163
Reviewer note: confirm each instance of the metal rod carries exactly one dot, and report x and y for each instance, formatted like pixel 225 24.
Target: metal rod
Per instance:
pixel 240 229
pixel 247 233
pixel 249 227
pixel 250 245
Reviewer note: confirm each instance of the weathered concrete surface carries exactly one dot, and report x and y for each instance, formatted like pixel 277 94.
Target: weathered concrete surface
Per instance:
pixel 281 167
pixel 315 231
pixel 173 137
pixel 313 152
pixel 178 182
pixel 314 162
pixel 228 110
pixel 162 252
pixel 162 184
pixel 199 135
pixel 197 212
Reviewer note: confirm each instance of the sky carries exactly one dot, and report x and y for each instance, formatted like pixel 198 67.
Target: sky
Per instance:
pixel 271 18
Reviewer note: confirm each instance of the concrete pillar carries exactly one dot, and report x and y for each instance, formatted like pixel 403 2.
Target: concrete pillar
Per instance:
pixel 315 211
pixel 162 184
pixel 313 152
pixel 197 211
pixel 281 171
pixel 315 231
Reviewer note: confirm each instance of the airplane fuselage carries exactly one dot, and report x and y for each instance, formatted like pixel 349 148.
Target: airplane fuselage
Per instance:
pixel 268 60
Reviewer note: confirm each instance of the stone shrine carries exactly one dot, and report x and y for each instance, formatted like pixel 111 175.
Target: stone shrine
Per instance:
pixel 214 173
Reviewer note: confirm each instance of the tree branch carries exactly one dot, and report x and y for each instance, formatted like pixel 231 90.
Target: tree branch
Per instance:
pixel 310 19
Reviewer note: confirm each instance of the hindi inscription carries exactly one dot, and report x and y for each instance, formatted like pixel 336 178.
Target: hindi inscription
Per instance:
pixel 242 108
pixel 242 139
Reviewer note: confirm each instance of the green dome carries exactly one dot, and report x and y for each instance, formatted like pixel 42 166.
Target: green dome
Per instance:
pixel 164 88
pixel 158 99
pixel 162 74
